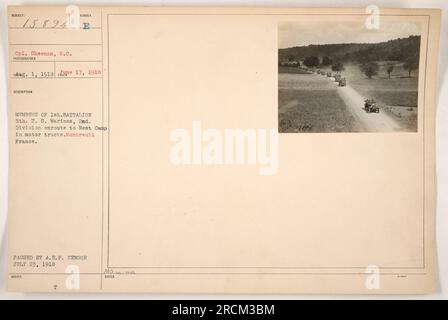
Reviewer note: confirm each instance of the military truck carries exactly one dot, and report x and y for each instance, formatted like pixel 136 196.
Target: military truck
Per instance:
pixel 370 106
pixel 342 82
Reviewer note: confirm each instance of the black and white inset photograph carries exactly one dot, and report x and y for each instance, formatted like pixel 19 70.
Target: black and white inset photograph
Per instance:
pixel 344 77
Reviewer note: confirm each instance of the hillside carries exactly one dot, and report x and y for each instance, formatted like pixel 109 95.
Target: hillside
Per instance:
pixel 397 50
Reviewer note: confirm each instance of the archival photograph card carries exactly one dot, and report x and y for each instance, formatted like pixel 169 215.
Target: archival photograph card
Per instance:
pixel 222 150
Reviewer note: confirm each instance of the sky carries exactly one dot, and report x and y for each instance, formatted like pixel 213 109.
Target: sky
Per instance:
pixel 296 33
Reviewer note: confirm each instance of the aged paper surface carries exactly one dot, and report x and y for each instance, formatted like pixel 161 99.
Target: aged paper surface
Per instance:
pixel 222 150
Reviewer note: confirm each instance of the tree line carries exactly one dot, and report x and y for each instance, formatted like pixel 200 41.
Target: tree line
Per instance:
pixel 406 50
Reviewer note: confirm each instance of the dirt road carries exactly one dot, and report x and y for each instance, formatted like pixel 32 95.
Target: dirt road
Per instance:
pixel 371 122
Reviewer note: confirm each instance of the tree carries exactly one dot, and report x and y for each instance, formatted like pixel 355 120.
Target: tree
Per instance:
pixel 366 55
pixel 411 63
pixel 326 61
pixel 389 69
pixel 370 69
pixel 311 61
pixel 338 66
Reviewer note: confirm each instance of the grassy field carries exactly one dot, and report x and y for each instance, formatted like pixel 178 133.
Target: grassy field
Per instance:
pixel 283 69
pixel 406 116
pixel 309 103
pixel 399 90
